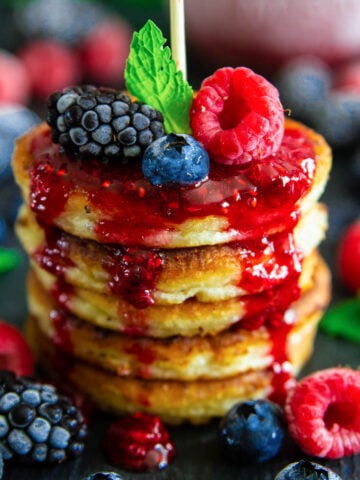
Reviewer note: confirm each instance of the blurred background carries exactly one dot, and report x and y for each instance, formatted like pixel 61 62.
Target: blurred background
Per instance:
pixel 310 49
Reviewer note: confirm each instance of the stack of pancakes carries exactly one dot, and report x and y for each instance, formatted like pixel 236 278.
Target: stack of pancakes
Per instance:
pixel 181 318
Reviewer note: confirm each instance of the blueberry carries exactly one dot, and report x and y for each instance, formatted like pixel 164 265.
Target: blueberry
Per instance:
pixel 304 83
pixel 175 159
pixel 305 470
pixel 1 465
pixel 252 432
pixel 338 119
pixel 65 20
pixel 104 476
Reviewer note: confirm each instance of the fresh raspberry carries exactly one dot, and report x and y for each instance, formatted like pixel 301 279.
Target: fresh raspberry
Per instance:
pixel 104 50
pixel 138 442
pixel 14 83
pixel 237 116
pixel 15 354
pixel 349 257
pixel 323 413
pixel 51 66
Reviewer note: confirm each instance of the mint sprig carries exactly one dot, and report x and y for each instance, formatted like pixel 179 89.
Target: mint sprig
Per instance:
pixel 343 320
pixel 152 77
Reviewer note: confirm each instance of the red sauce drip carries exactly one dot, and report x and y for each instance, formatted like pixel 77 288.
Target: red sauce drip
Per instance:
pixel 282 376
pixel 53 255
pixel 62 326
pixel 138 443
pixel 254 201
pixel 268 307
pixel 62 293
pixel 133 273
pixel 269 261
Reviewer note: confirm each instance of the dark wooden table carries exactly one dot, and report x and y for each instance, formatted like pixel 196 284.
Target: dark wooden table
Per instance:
pixel 198 456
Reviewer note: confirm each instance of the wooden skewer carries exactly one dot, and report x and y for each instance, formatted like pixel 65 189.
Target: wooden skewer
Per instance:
pixel 177 29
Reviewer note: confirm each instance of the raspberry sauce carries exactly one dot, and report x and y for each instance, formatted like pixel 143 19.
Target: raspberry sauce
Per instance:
pixel 132 272
pixel 139 443
pixel 255 201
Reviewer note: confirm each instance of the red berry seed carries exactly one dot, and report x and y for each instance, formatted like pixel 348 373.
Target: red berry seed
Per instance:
pixel 139 443
pixel 237 116
pixel 15 353
pixel 323 413
pixel 349 257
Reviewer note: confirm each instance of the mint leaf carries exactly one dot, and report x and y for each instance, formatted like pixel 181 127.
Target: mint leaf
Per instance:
pixel 9 259
pixel 151 76
pixel 343 320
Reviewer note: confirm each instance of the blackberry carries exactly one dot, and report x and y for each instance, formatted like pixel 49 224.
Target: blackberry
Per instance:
pixel 37 424
pixel 102 122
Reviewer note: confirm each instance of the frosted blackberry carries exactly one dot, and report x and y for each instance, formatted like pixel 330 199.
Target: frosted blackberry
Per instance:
pixel 37 424
pixel 102 122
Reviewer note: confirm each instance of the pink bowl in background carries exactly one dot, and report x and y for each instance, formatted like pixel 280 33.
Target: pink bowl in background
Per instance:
pixel 266 33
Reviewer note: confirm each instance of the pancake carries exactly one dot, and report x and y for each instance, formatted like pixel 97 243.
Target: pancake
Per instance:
pixel 188 318
pixel 171 276
pixel 229 353
pixel 114 203
pixel 174 401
